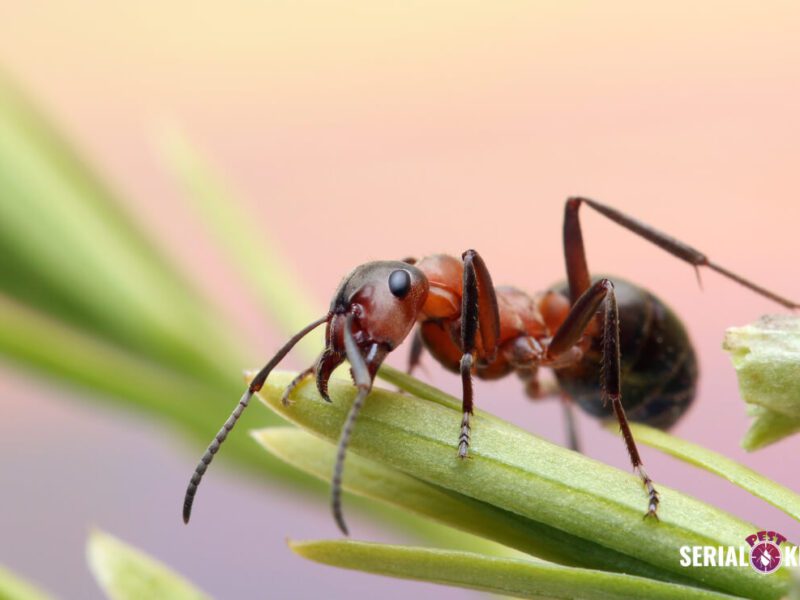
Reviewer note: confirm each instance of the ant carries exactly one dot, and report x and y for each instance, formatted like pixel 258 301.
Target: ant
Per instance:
pixel 471 327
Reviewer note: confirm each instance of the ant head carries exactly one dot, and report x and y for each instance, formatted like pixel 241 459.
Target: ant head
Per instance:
pixel 385 298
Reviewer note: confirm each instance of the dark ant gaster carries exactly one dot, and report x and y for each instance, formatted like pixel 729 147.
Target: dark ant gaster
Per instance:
pixel 471 327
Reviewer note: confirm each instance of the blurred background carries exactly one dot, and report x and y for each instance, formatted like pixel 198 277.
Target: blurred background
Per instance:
pixel 348 132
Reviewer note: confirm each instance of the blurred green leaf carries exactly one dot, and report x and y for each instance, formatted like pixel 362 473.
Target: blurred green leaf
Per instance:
pixel 14 588
pixel 36 341
pixel 70 250
pixel 747 479
pixel 522 474
pixel 508 576
pixel 125 573
pixel 767 427
pixel 247 245
pixel 766 356
pixel 373 480
pixel 86 296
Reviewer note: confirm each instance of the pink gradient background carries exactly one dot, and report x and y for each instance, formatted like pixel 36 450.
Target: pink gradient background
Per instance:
pixel 359 131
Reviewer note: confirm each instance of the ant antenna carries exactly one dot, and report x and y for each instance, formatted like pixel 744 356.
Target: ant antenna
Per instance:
pixel 255 385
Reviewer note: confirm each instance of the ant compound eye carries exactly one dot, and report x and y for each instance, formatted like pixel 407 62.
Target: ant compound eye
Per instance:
pixel 400 283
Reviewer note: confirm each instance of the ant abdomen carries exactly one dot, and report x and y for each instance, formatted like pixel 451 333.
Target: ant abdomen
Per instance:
pixel 658 363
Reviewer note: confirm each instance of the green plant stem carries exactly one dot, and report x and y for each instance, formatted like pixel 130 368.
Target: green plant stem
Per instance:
pixel 53 349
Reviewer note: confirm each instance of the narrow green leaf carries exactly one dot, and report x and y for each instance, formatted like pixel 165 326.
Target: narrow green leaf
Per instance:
pixel 314 456
pixel 35 129
pixel 125 573
pixel 37 341
pixel 418 388
pixel 70 250
pixel 513 577
pixel 744 477
pixel 370 479
pixel 14 588
pixel 249 249
pixel 522 474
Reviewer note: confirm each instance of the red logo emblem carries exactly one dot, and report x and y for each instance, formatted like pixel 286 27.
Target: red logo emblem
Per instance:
pixel 765 554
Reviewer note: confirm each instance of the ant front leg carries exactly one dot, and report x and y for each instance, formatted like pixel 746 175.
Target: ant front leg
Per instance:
pixel 479 314
pixel 286 399
pixel 570 332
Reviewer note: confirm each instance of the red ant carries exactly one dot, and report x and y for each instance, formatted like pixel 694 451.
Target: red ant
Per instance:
pixel 470 326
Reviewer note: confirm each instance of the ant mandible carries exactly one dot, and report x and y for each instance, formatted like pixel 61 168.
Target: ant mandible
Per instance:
pixel 471 327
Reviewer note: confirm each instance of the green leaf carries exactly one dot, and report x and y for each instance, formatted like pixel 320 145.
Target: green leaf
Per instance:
pixel 367 479
pixel 87 296
pixel 420 389
pixel 522 474
pixel 767 428
pixel 34 340
pixel 261 265
pixel 747 479
pixel 513 577
pixel 766 356
pixel 125 573
pixel 70 250
pixel 370 479
pixel 14 588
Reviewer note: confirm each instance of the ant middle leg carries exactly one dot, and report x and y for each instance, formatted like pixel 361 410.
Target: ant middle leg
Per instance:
pixel 580 316
pixel 568 411
pixel 538 390
pixel 479 315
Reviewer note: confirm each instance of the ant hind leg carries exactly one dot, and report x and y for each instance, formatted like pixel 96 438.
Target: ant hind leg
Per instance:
pixel 570 332
pixel 578 272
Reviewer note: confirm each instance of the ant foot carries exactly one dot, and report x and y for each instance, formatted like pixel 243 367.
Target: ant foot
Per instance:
pixel 652 507
pixel 464 437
